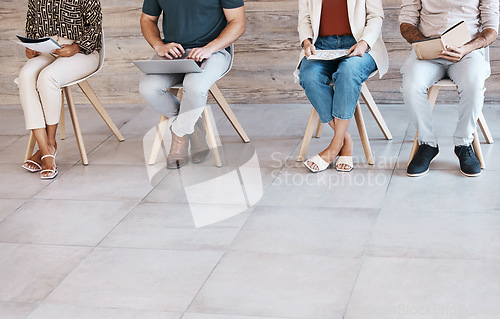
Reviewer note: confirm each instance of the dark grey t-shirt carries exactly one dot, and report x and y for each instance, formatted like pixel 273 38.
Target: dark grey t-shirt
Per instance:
pixel 192 23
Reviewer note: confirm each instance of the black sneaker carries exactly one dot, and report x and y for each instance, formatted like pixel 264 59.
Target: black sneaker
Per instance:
pixel 420 163
pixel 469 164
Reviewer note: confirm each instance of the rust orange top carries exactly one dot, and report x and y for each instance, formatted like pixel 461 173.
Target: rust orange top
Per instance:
pixel 334 18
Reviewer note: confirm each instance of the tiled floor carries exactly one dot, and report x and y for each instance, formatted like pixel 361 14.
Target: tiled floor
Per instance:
pixel 260 238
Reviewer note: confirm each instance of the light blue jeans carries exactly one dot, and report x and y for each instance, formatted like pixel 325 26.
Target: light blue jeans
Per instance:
pixel 346 74
pixel 469 74
pixel 154 89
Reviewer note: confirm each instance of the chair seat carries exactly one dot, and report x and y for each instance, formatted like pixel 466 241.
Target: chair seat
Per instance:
pixel 446 82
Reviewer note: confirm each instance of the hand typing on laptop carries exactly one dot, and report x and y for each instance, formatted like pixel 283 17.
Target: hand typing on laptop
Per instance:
pixel 170 50
pixel 174 50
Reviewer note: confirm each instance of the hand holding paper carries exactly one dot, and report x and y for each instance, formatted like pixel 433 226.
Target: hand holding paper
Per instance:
pixel 42 45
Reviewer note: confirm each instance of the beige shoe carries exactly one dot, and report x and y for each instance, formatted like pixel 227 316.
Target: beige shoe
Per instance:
pixel 198 140
pixel 178 154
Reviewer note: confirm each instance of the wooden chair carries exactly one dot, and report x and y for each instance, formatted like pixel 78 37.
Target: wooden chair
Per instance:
pixel 314 122
pixel 432 96
pixel 94 100
pixel 212 143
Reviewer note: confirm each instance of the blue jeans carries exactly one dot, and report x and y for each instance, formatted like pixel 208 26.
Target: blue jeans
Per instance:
pixel 347 75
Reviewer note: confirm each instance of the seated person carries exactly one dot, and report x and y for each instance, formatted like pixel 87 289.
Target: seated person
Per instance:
pixel 76 26
pixel 339 24
pixel 465 65
pixel 207 27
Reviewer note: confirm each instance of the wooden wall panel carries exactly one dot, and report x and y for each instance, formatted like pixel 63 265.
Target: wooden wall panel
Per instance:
pixel 266 55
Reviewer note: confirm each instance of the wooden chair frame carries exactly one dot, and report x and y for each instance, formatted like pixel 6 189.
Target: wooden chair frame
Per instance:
pixel 432 97
pixel 358 116
pixel 212 142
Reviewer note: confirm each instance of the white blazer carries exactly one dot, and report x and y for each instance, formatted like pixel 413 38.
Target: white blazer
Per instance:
pixel 365 19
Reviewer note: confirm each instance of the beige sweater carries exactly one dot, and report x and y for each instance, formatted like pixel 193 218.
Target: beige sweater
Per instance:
pixel 433 17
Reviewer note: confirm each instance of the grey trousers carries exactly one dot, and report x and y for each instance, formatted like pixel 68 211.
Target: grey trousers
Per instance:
pixel 469 74
pixel 154 89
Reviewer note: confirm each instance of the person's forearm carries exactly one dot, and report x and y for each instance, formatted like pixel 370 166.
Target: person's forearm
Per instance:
pixel 411 33
pixel 482 40
pixel 151 32
pixel 229 35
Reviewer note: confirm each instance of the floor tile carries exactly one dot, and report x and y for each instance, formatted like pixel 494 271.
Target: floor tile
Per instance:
pixel 212 316
pixel 173 226
pixel 113 152
pixel 12 122
pixel 6 140
pixel 392 288
pixel 315 231
pixel 361 188
pixel 62 222
pixel 16 310
pixel 51 311
pixel 443 190
pixel 292 286
pixel 8 206
pixel 436 234
pixel 106 182
pixel 268 120
pixel 22 184
pixel 136 279
pixel 30 272
pixel 242 186
pixel 272 152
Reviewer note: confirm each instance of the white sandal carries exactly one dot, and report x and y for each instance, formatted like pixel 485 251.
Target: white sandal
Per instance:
pixel 32 170
pixel 344 160
pixel 321 164
pixel 53 171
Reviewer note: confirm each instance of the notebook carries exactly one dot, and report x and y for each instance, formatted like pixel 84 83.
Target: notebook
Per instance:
pixel 455 36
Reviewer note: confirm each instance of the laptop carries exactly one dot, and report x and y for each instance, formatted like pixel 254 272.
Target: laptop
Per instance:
pixel 162 65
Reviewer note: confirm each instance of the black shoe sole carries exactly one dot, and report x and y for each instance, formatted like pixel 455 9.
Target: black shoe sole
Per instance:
pixel 467 174
pixel 419 174
pixel 423 173
pixel 470 175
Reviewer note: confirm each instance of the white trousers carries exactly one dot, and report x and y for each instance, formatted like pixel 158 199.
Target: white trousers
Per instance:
pixel 469 74
pixel 40 83
pixel 154 89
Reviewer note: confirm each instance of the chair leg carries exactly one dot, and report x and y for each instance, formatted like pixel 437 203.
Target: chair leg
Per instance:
pixel 216 93
pixel 360 122
pixel 477 149
pixel 432 95
pixel 485 129
pixel 319 129
pixel 89 93
pixel 76 125
pixel 306 140
pixel 31 147
pixel 414 148
pixel 62 122
pixel 372 106
pixel 160 132
pixel 212 142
